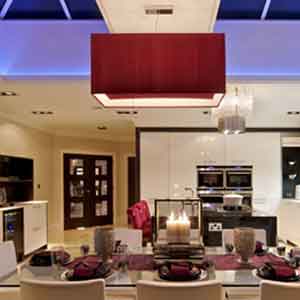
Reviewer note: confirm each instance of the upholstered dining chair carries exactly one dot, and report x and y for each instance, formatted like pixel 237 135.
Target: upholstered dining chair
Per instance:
pixel 55 290
pixel 149 290
pixel 270 290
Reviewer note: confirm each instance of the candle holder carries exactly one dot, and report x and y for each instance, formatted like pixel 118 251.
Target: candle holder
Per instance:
pixel 177 221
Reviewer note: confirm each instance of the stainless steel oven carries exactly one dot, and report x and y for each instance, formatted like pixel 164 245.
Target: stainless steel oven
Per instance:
pixel 239 178
pixel 210 178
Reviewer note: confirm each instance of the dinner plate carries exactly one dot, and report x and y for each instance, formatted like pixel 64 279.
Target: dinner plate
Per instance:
pixel 203 275
pixel 64 275
pixel 290 279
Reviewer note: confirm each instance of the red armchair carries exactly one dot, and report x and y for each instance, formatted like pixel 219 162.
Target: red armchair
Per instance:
pixel 140 218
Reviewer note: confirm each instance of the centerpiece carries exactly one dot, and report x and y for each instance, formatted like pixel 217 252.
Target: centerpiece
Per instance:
pixel 178 229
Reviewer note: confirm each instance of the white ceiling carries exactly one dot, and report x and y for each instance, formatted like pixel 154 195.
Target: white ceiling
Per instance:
pixel 76 113
pixel 188 15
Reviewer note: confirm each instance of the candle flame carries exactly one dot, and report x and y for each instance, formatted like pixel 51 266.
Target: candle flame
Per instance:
pixel 182 218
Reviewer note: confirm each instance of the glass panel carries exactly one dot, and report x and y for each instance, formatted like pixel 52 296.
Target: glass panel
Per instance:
pixel 98 209
pixel 35 9
pixel 97 188
pixel 284 10
pixel 76 167
pixel 77 210
pixel 77 188
pixel 104 208
pixel 233 9
pixel 103 188
pixel 87 9
pixel 100 167
pixel 101 209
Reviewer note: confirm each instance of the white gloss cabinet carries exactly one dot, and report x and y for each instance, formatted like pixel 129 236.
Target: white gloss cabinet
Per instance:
pixel 35 227
pixel 154 166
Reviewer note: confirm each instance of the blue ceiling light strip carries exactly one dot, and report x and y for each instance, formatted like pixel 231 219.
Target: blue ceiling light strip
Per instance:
pixel 35 10
pixel 241 10
pixel 284 10
pixel 6 5
pixel 84 10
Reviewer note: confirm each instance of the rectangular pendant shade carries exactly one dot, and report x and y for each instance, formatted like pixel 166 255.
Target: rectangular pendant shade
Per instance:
pixel 158 70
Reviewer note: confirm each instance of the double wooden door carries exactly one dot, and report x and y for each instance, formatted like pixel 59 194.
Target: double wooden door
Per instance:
pixel 88 190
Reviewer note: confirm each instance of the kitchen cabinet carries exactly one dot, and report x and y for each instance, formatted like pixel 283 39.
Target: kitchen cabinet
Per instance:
pixel 154 166
pixel 35 226
pixel 169 159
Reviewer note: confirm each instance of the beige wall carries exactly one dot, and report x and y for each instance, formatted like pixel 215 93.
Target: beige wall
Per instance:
pixel 47 151
pixel 119 151
pixel 18 140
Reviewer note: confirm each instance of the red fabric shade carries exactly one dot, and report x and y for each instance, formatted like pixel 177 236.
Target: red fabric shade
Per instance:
pixel 165 66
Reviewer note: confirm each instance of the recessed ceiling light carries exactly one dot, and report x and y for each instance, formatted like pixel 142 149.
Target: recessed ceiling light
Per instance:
pixel 206 112
pixel 294 112
pixel 42 112
pixel 102 127
pixel 8 93
pixel 127 112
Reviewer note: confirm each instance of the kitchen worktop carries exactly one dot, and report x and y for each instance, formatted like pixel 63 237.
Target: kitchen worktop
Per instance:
pixel 22 204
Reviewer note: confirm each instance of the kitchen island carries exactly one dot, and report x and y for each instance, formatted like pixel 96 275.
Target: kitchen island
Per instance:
pixel 216 219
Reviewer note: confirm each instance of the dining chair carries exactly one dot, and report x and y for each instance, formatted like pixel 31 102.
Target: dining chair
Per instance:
pixel 133 238
pixel 149 290
pixel 9 293
pixel 227 236
pixel 270 290
pixel 33 289
pixel 8 258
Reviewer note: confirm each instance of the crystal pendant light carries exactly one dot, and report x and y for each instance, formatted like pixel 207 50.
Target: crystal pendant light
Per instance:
pixel 232 112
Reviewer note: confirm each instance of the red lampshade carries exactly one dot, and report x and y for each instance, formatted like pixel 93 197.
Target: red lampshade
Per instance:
pixel 158 70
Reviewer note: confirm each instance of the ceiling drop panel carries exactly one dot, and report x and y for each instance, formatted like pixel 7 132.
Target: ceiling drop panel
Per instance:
pixel 174 16
pixel 284 10
pixel 35 9
pixel 241 9
pixel 87 9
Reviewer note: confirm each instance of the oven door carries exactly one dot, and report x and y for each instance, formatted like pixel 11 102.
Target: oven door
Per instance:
pixel 239 180
pixel 211 179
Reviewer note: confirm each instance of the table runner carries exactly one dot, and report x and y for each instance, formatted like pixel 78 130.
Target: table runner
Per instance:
pixel 222 262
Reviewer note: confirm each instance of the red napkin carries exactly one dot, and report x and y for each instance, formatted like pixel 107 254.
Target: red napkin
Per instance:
pixel 180 270
pixel 283 271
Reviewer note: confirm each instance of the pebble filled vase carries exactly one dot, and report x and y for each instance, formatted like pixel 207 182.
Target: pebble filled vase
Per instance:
pixel 244 243
pixel 104 239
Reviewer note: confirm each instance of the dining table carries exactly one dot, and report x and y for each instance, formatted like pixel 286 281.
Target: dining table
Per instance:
pixel 122 279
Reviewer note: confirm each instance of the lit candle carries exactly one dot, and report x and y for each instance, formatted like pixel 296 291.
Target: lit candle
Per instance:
pixel 178 229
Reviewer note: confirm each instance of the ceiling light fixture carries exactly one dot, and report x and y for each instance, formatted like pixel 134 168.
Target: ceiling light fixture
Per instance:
pixel 232 112
pixel 42 112
pixel 158 70
pixel 101 127
pixel 8 93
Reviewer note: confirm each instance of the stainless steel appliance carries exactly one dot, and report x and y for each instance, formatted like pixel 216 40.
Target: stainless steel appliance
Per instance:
pixel 238 178
pixel 216 181
pixel 210 177
pixel 13 229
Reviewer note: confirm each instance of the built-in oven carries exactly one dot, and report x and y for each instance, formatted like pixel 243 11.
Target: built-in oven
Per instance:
pixel 210 178
pixel 238 178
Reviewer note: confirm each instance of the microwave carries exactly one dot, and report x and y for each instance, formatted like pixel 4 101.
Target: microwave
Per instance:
pixel 239 178
pixel 210 178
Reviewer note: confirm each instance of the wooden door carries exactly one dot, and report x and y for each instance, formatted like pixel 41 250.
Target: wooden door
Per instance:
pixel 88 190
